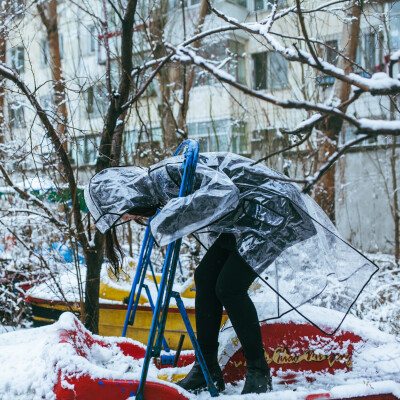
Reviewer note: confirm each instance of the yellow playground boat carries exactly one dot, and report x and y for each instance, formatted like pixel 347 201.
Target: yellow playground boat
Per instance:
pixel 46 309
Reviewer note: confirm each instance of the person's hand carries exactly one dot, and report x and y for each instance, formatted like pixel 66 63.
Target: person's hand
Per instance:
pixel 128 217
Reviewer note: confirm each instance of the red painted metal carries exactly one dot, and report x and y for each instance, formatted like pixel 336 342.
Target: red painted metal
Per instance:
pixel 373 397
pixel 83 387
pixel 318 396
pixel 292 348
pixel 184 360
pixel 367 397
pixel 86 388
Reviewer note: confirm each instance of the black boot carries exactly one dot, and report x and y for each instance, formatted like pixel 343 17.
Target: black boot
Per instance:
pixel 258 377
pixel 194 380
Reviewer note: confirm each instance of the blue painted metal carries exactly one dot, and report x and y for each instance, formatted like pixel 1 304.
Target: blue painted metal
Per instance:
pixel 141 264
pixel 152 273
pixel 141 282
pixel 211 388
pixel 165 292
pixel 167 359
pixel 165 344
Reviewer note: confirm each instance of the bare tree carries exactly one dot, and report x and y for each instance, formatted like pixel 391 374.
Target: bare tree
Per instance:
pixel 4 17
pixel 331 126
pixel 184 55
pixel 49 17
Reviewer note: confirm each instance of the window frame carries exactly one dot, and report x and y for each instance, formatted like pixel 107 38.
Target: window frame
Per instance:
pixel 233 66
pixel 94 108
pixel 268 78
pixel 15 58
pixel 16 119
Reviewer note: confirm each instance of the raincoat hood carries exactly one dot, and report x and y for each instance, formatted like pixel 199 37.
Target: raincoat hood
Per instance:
pixel 114 191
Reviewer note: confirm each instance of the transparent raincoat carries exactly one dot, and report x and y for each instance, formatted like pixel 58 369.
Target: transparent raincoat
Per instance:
pixel 280 232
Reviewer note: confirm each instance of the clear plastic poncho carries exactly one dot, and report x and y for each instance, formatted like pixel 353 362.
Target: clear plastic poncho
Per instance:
pixel 280 232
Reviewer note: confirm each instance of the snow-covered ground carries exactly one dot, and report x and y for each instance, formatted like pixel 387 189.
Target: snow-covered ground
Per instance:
pixel 31 360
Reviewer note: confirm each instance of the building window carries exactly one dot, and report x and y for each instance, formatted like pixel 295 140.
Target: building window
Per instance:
pixel 264 5
pixel 370 53
pixel 92 34
pixel 237 66
pixel 178 3
pixel 259 71
pixel 394 25
pixel 97 101
pixel 270 71
pixel 84 149
pixel 18 59
pixel 227 54
pixel 278 69
pixel 47 103
pixel 61 45
pixel 91 149
pixel 242 3
pixel 16 115
pixel 330 54
pixel 349 133
pixel 219 135
pixel 44 52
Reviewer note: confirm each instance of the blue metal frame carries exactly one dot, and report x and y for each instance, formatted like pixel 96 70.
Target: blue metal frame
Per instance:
pixel 160 310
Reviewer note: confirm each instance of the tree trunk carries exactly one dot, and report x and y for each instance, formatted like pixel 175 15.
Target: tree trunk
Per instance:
pixel 107 151
pixel 94 259
pixel 48 15
pixel 188 77
pixel 324 193
pixel 396 210
pixel 174 130
pixel 3 59
pixel 93 255
pixel 165 78
pixel 4 9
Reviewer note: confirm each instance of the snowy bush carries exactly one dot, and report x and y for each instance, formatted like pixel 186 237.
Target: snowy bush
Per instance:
pixel 380 300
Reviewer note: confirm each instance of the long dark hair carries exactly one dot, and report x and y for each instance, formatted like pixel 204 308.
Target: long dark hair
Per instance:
pixel 113 249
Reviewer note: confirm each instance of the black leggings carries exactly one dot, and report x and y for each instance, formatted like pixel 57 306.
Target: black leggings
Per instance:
pixel 222 280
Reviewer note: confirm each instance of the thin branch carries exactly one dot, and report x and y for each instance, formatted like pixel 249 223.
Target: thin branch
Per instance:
pixel 42 12
pixel 305 34
pixel 107 47
pixel 368 85
pixel 28 197
pixel 322 43
pixel 332 159
pixel 11 75
pixel 42 261
pixel 286 149
pixel 188 55
pixel 115 10
pixel 139 93
pixel 85 10
pixel 376 127
pixel 33 212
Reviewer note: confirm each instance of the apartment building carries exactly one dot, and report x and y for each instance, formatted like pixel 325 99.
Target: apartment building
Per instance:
pixel 221 118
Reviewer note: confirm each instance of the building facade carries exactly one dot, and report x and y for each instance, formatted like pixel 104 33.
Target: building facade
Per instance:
pixel 221 118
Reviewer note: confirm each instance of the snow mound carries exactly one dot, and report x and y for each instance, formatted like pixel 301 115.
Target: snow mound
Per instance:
pixel 33 359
